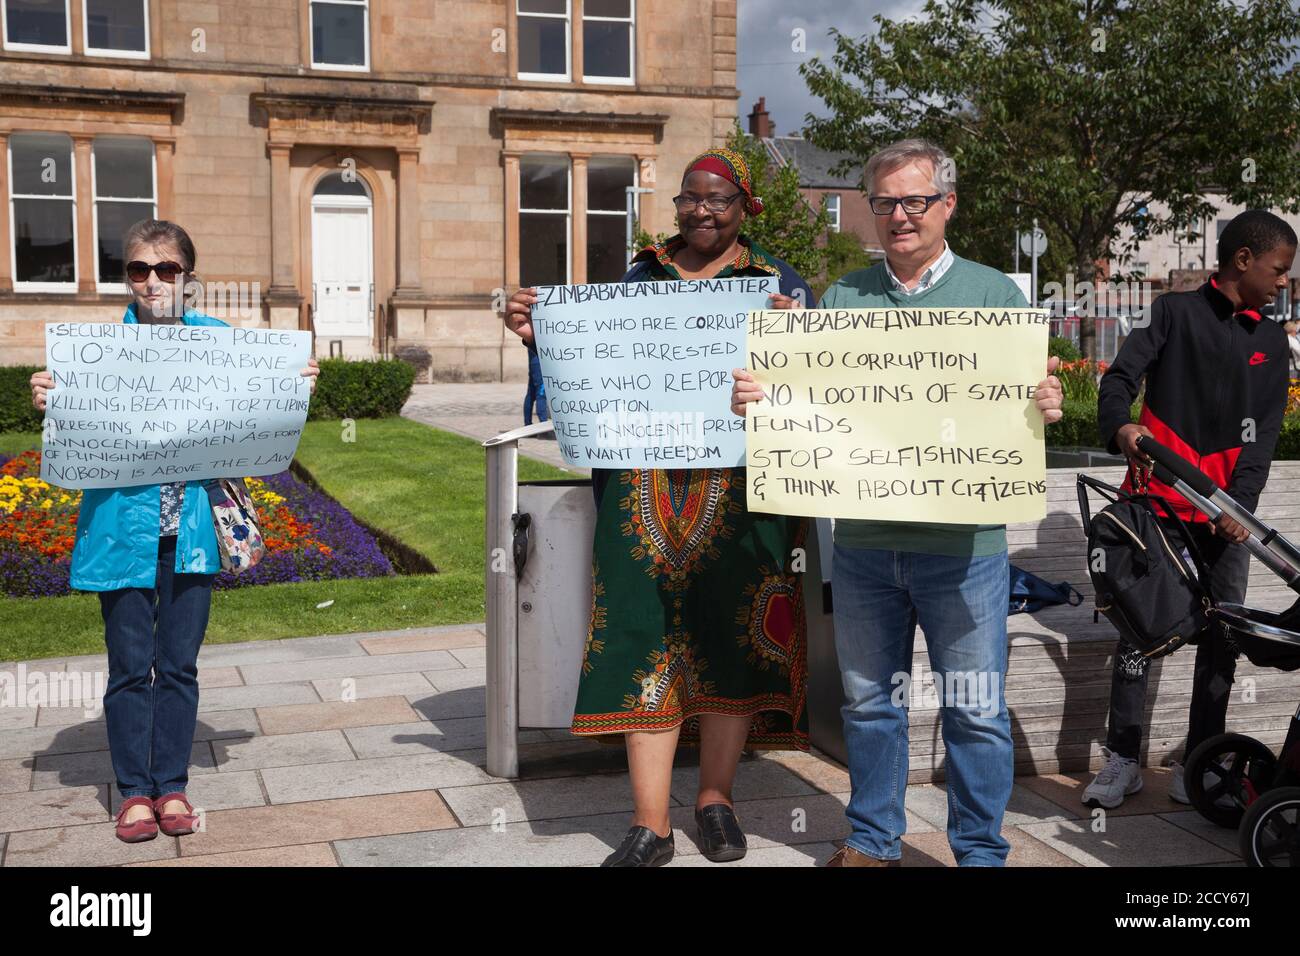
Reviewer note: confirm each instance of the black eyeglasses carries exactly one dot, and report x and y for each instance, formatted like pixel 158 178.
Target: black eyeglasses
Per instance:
pixel 912 205
pixel 714 204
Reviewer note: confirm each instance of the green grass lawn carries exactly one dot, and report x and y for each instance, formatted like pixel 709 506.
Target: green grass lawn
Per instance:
pixel 423 486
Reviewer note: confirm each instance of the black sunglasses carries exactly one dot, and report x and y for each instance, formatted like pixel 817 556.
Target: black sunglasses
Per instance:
pixel 138 271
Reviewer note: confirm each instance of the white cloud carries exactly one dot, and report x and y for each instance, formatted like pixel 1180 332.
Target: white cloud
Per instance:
pixel 767 65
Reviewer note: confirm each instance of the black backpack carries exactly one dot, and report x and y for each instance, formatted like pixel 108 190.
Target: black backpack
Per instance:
pixel 1142 584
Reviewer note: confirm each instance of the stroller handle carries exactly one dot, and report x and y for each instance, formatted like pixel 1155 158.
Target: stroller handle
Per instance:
pixel 1171 467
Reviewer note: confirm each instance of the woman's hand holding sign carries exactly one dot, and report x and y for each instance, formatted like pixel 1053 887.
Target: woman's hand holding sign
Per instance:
pixel 311 372
pixel 41 383
pixel 519 313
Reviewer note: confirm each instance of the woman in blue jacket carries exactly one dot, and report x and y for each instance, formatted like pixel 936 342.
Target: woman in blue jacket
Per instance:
pixel 151 553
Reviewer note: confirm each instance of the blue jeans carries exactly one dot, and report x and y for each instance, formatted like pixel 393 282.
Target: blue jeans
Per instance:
pixel 536 391
pixel 151 703
pixel 961 605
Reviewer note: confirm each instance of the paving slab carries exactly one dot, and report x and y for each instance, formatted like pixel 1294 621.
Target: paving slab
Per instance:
pixel 335 715
pixel 41 809
pixel 547 799
pixel 28 741
pixel 317 821
pixel 932 849
pixel 68 716
pixel 445 680
pixel 452 734
pixel 379 775
pixel 306 854
pixel 263 695
pixel 425 641
pixel 218 791
pixel 96 766
pixel 381 685
pixel 754 779
pixel 281 750
pixel 1066 790
pixel 16 718
pixel 334 667
pixel 1129 841
pixel 87 845
pixel 294 649
pixel 930 802
pixel 470 656
pixel 464 702
pixel 216 676
pixel 16 774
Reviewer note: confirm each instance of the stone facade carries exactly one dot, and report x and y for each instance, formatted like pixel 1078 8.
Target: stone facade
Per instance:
pixel 245 129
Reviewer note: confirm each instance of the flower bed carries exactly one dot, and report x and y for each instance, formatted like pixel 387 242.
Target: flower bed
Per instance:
pixel 308 535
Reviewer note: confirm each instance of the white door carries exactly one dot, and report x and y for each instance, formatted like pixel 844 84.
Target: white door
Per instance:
pixel 341 268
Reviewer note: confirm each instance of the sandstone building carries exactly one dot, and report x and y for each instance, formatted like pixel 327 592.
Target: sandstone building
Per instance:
pixel 374 170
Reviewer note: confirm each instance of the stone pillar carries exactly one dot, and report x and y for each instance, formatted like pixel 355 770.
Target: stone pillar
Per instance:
pixel 6 279
pixel 282 223
pixel 164 151
pixel 87 261
pixel 408 223
pixel 578 203
pixel 510 163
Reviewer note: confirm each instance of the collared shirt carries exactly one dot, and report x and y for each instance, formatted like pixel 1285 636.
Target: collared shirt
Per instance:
pixel 928 278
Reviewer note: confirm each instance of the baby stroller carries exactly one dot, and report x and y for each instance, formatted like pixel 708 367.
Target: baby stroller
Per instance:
pixel 1234 780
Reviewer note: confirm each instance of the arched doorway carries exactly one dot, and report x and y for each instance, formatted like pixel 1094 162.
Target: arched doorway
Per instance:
pixel 342 260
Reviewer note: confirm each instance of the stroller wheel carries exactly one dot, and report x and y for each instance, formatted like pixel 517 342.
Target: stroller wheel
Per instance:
pixel 1238 768
pixel 1270 830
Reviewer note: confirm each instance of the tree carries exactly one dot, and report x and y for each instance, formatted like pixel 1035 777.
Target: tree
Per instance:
pixel 1084 113
pixel 788 227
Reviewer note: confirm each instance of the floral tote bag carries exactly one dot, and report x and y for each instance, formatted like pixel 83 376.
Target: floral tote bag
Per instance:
pixel 234 517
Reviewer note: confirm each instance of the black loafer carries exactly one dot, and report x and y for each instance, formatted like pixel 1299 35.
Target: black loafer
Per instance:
pixel 721 839
pixel 642 847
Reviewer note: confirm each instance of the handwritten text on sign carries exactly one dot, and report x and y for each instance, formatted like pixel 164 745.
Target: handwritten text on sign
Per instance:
pixel 898 414
pixel 147 404
pixel 638 375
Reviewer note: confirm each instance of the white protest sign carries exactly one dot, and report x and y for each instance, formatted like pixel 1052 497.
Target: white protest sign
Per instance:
pixel 146 404
pixel 638 375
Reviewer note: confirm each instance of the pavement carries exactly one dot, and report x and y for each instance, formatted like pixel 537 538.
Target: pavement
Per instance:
pixel 480 411
pixel 368 750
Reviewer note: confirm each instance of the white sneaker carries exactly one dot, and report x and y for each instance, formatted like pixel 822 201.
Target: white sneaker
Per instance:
pixel 1178 788
pixel 1115 781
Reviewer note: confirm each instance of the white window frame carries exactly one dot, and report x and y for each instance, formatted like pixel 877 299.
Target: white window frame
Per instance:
pixel 70 287
pixel 567 75
pixel 636 197
pixel 105 51
pixel 834 210
pixel 630 20
pixel 365 35
pixel 37 47
pixel 115 284
pixel 567 212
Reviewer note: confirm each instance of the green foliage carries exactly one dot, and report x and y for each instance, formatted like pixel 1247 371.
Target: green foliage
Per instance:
pixel 844 254
pixel 788 227
pixel 365 389
pixel 1092 116
pixel 17 414
pixel 1064 348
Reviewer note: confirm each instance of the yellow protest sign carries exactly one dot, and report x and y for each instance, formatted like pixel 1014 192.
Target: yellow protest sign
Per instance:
pixel 898 414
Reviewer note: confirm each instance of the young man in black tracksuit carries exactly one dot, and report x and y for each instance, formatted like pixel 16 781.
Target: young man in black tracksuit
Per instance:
pixel 1217 374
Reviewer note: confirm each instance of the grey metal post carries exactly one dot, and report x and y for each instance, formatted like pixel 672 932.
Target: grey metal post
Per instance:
pixel 501 599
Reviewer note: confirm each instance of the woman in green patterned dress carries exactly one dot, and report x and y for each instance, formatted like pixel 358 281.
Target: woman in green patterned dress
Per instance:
pixel 697 628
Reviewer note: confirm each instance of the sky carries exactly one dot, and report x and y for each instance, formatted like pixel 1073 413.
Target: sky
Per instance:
pixel 767 63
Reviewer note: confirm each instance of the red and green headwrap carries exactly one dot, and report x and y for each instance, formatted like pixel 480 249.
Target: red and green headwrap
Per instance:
pixel 730 165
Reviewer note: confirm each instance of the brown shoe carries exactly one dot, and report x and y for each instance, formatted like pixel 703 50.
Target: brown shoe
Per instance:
pixel 847 856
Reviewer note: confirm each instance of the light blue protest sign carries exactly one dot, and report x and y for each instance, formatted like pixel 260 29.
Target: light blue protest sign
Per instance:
pixel 146 404
pixel 638 375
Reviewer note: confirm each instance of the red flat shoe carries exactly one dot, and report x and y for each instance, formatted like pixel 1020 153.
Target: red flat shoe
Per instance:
pixel 139 830
pixel 175 824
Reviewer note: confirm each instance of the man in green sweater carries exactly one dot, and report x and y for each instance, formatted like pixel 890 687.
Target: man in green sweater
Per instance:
pixel 952 579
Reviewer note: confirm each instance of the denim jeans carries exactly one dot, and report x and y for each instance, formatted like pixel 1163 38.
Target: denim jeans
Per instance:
pixel 1212 675
pixel 536 391
pixel 151 703
pixel 961 605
